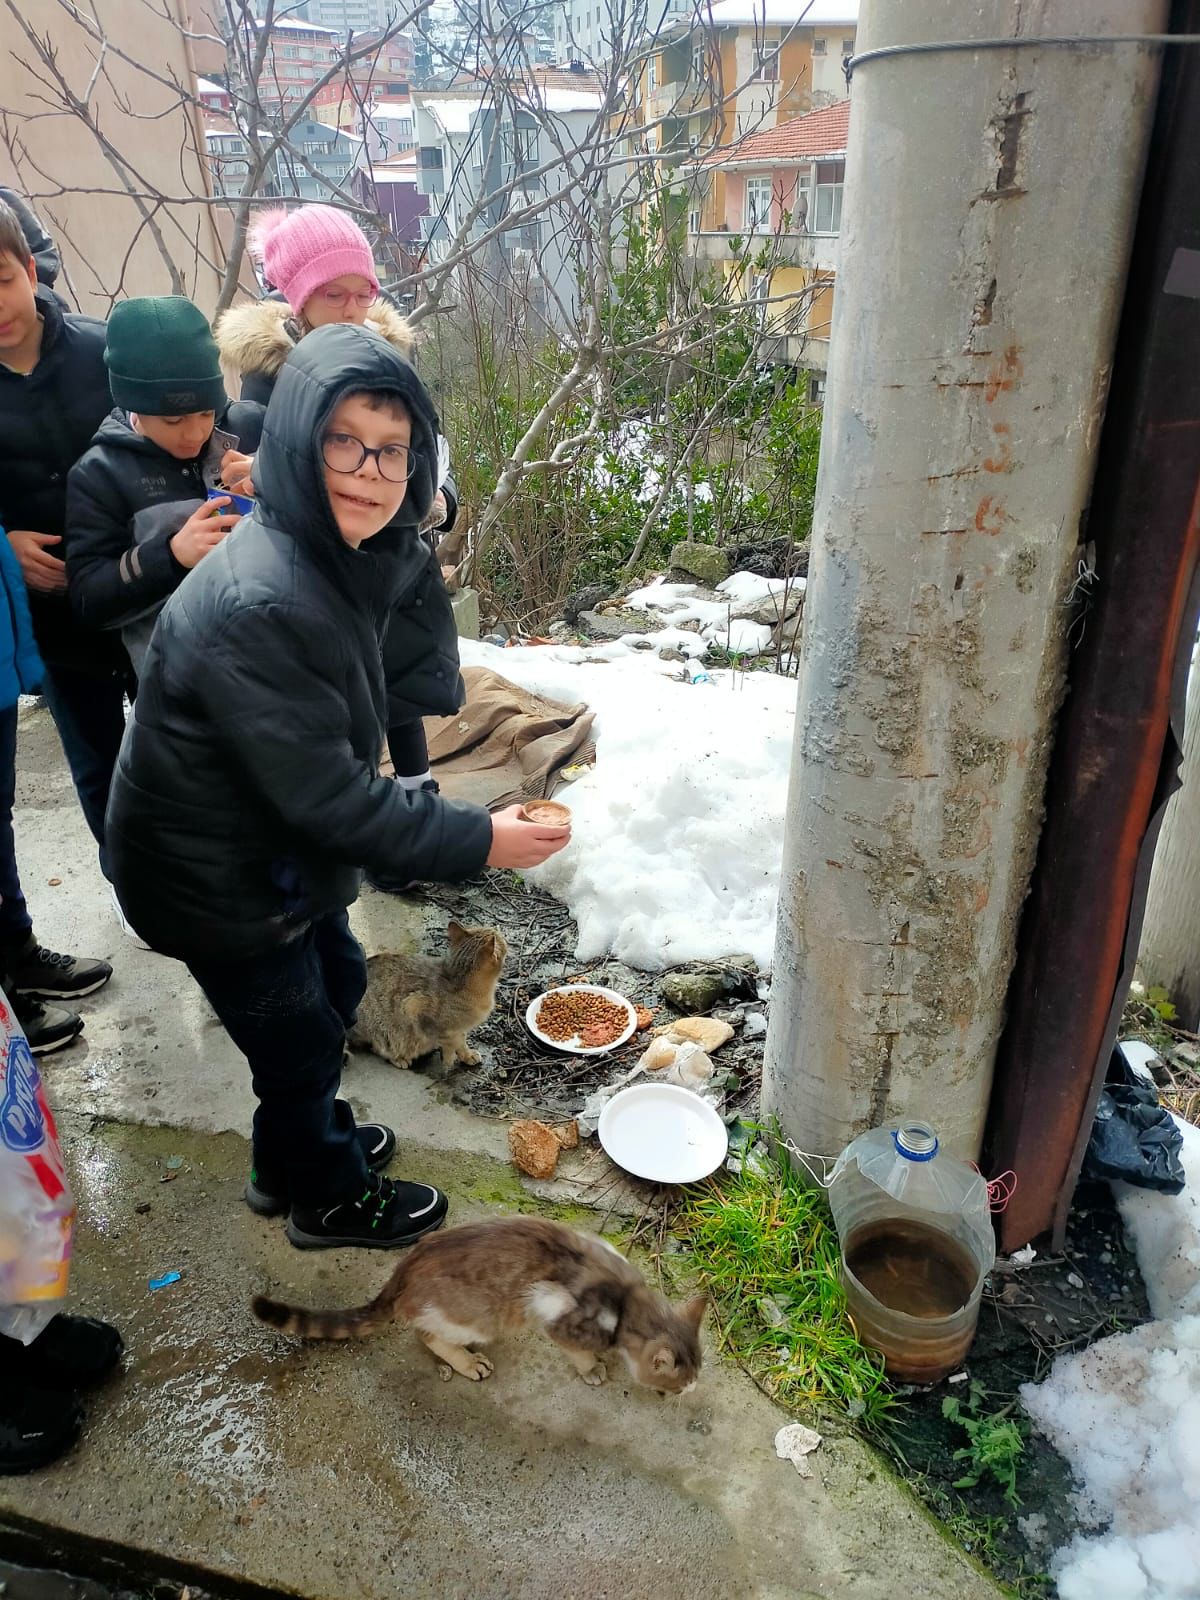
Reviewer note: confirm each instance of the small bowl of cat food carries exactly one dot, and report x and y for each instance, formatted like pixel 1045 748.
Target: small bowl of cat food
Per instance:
pixel 664 1133
pixel 581 1018
pixel 548 813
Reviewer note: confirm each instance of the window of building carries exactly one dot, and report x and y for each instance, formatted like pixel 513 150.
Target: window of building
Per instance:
pixel 847 47
pixel 766 63
pixel 652 74
pixel 818 47
pixel 760 293
pixel 827 199
pixel 758 205
pixel 693 221
pixel 313 147
pixel 520 146
pixel 699 61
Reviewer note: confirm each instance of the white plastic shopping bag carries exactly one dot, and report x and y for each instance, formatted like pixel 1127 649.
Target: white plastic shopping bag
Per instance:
pixel 37 1213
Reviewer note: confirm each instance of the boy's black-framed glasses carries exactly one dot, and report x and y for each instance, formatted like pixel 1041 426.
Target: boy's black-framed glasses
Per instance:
pixel 342 452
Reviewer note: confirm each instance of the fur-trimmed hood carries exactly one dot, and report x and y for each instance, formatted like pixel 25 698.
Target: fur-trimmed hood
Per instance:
pixel 255 337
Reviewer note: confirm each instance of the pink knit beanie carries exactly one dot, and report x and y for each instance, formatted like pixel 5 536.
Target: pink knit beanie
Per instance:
pixel 302 249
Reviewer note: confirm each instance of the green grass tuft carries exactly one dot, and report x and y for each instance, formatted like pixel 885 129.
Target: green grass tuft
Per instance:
pixel 764 1246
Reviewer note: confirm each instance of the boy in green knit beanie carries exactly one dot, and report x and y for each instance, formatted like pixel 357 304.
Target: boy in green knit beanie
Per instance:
pixel 148 500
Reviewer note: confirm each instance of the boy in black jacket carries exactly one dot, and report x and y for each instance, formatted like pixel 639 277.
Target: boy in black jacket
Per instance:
pixel 138 519
pixel 53 395
pixel 247 798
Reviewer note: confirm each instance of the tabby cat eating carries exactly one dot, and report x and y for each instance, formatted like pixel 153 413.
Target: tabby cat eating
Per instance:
pixel 469 1284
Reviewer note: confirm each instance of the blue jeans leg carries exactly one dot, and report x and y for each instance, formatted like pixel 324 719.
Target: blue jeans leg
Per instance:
pixel 89 713
pixel 287 1011
pixel 14 915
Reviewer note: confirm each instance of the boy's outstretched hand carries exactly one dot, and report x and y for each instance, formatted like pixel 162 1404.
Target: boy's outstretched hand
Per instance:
pixel 518 843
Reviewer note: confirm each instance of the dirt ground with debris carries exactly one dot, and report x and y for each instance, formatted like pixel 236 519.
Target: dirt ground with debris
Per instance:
pixel 519 1077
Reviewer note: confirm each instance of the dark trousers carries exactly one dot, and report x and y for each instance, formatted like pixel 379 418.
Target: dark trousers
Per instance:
pixel 408 749
pixel 89 712
pixel 288 1011
pixel 14 916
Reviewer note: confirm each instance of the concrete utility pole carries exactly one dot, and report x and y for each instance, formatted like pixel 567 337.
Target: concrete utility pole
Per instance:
pixel 990 197
pixel 1170 946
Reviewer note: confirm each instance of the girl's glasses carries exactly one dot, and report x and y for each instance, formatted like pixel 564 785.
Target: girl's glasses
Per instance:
pixel 339 299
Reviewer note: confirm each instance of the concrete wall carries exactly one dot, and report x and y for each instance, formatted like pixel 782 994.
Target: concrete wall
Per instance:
pixel 95 230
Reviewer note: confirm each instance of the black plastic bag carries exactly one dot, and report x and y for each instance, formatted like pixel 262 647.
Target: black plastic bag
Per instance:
pixel 1133 1137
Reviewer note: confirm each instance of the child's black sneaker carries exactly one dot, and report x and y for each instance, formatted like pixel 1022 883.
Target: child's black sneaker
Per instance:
pixel 69 1353
pixel 48 975
pixel 385 1216
pixel 47 1028
pixel 36 1426
pixel 267 1194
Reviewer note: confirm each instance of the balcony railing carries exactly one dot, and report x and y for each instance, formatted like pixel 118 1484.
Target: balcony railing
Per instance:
pixel 682 99
pixel 795 349
pixel 817 251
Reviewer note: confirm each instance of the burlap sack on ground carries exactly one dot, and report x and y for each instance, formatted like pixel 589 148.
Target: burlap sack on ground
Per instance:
pixel 506 744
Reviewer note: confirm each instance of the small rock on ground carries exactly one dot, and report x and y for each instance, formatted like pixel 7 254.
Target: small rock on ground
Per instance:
pixel 707 562
pixel 614 624
pixel 692 991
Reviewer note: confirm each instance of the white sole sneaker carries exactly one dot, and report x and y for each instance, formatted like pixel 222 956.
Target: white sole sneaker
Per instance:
pixel 127 927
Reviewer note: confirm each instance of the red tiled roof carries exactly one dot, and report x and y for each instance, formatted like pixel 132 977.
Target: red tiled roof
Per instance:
pixel 819 133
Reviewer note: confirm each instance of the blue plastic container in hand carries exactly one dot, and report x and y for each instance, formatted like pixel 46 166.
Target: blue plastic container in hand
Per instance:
pixel 237 502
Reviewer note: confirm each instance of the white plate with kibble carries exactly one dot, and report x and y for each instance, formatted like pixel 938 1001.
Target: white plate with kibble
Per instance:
pixel 581 1008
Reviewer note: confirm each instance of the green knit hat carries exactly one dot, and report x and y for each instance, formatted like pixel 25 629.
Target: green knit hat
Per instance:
pixel 162 358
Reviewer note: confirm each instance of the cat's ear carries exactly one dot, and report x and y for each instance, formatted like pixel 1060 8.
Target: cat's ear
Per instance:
pixel 693 1311
pixel 498 951
pixel 455 932
pixel 663 1360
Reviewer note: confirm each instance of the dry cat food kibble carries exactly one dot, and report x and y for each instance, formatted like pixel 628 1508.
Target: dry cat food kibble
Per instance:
pixel 567 1013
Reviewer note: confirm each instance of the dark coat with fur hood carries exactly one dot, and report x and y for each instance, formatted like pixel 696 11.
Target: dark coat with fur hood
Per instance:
pixel 247 795
pixel 256 338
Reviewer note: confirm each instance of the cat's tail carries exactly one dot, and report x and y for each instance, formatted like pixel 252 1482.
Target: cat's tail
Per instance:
pixel 350 1323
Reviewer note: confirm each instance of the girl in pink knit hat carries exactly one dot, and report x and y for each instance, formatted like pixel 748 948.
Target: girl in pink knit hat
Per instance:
pixel 318 264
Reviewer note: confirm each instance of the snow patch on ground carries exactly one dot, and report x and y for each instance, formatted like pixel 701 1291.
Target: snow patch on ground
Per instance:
pixel 1126 1415
pixel 680 602
pixel 678 830
pixel 744 588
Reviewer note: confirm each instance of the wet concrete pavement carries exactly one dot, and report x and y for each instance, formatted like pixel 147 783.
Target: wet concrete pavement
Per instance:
pixel 351 1469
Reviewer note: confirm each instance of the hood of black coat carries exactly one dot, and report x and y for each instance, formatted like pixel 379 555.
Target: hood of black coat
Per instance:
pixel 50 309
pixel 289 473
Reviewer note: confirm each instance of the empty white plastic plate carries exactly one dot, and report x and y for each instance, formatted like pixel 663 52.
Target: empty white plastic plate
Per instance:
pixel 662 1132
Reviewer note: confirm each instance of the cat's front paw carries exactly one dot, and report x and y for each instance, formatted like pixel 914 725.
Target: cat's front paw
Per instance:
pixel 479 1367
pixel 469 1057
pixel 595 1375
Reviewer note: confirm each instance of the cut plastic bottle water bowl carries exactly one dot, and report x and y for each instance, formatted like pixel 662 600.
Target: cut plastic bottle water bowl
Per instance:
pixel 917 1244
